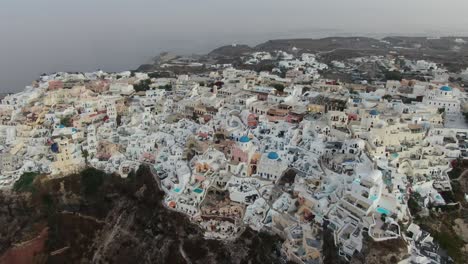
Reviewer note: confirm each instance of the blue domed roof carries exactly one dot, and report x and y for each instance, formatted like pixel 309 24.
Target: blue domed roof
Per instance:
pixel 244 139
pixel 446 88
pixel 374 112
pixel 273 155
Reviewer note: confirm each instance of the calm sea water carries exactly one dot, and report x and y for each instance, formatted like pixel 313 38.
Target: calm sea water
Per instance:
pixel 23 63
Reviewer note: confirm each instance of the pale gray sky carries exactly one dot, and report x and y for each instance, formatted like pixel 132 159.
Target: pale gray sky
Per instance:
pixel 63 35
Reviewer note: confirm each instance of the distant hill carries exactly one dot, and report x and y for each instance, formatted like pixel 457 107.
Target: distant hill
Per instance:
pixel 324 44
pixel 449 51
pixel 443 43
pixel 230 51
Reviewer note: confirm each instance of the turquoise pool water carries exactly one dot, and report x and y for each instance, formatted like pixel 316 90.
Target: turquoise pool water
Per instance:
pixel 373 197
pixel 438 197
pixel 197 190
pixel 382 210
pixel 388 182
pixel 176 190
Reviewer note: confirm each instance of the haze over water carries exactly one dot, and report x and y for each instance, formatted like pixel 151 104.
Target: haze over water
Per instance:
pixel 43 36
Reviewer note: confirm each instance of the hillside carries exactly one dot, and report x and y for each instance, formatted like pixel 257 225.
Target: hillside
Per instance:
pixel 321 45
pixel 452 52
pixel 116 221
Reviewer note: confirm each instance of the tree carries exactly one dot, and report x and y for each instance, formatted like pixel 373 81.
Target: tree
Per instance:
pixel 143 85
pixel 352 91
pixel 118 120
pixel 387 97
pixel 393 75
pixel 383 217
pixel 85 155
pixel 465 114
pixel 66 121
pixel 413 203
pixel 167 87
pixel 154 75
pixel 25 182
pixel 279 87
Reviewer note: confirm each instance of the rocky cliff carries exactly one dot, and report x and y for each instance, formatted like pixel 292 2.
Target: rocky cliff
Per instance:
pixel 117 221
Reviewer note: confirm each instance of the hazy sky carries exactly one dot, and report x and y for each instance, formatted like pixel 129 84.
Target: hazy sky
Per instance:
pixel 39 36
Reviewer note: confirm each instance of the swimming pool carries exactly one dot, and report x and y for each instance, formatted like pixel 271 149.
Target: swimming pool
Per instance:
pixel 388 182
pixel 197 190
pixel 176 190
pixel 373 197
pixel 382 210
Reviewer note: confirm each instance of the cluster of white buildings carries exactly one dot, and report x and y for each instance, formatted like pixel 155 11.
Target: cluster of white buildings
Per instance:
pixel 231 150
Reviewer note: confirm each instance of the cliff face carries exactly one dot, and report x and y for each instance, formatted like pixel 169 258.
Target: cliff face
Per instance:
pixel 121 221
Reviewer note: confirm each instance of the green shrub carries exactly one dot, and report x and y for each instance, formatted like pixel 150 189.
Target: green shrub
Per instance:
pixel 455 172
pixel 279 87
pixel 25 182
pixel 91 180
pixel 167 87
pixel 142 86
pixel 387 97
pixel 66 121
pixel 393 75
pixel 413 203
pixel 451 243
